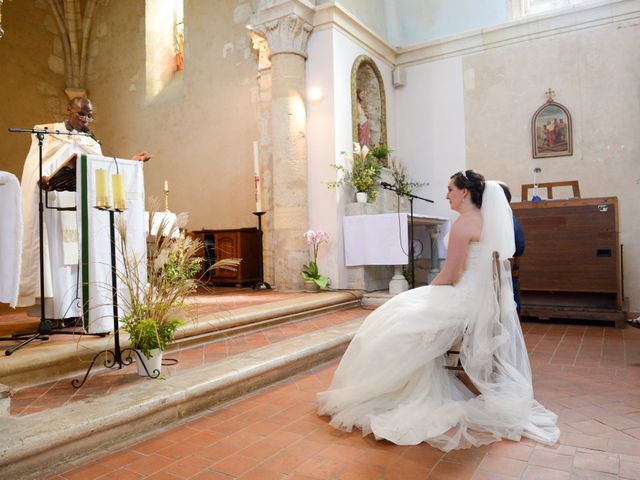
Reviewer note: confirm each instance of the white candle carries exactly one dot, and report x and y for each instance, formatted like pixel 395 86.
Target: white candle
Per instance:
pixel 117 185
pixel 256 177
pixel 102 198
pixel 166 185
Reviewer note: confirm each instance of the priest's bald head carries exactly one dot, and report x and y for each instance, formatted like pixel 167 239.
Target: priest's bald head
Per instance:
pixel 79 114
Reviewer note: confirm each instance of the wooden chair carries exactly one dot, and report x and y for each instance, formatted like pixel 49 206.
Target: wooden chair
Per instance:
pixel 549 186
pixel 453 355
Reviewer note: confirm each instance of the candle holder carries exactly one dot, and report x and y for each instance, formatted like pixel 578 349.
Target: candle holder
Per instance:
pixel 261 283
pixel 117 357
pixel 166 200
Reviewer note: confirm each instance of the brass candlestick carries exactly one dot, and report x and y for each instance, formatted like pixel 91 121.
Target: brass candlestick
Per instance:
pixel 166 200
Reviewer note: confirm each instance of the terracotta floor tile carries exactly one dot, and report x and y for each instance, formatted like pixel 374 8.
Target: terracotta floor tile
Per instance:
pixel 284 462
pixel 164 475
pixel 470 456
pixel 510 449
pixel 552 460
pixel 149 464
pixel 235 465
pixel 261 473
pixel 361 471
pixel 601 462
pixel 451 471
pixel 121 474
pixel 321 468
pixel 629 470
pixel 502 465
pixel 581 474
pixel 188 466
pixel 210 475
pixel 534 472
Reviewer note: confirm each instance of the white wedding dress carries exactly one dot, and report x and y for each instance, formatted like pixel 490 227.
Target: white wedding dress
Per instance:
pixel 392 382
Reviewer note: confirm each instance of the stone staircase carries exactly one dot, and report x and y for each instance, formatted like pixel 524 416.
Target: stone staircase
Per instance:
pixel 32 444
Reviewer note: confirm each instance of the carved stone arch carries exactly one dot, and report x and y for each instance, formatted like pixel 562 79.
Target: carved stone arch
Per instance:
pixel 366 76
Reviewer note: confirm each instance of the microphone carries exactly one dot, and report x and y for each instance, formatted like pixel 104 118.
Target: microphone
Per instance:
pixel 94 137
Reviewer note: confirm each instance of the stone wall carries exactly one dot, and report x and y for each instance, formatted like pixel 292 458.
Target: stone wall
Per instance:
pixel 31 78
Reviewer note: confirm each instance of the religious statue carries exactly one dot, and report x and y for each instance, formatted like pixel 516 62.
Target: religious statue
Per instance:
pixel 364 132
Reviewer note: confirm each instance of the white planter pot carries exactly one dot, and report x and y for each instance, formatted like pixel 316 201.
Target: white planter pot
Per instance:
pixel 311 286
pixel 153 364
pixel 361 197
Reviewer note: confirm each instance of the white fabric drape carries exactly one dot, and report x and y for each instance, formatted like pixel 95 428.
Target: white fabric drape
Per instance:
pixel 95 233
pixel 11 238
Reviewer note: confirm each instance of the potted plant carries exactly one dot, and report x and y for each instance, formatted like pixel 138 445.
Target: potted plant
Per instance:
pixel 363 175
pixel 381 152
pixel 312 278
pixel 401 183
pixel 156 306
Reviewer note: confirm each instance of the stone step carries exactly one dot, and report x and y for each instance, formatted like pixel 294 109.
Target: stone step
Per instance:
pixel 46 361
pixel 40 442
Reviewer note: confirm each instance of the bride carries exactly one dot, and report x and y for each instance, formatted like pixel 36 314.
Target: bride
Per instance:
pixel 392 382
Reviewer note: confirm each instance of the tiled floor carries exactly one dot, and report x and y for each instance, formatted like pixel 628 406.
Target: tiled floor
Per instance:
pixel 57 393
pixel 589 375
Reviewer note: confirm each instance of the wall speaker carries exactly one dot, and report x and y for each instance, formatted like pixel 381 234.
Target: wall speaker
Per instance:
pixel 399 77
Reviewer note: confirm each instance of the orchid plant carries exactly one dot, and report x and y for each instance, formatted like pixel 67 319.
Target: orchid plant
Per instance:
pixel 310 270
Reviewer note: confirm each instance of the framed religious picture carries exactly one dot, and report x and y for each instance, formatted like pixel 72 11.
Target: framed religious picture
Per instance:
pixel 551 131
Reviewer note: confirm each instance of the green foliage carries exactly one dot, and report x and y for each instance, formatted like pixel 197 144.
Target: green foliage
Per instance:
pixel 364 173
pixel 402 184
pixel 381 152
pixel 310 272
pixel 156 302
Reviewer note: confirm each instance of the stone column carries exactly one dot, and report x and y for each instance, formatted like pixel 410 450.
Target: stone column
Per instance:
pixel 286 28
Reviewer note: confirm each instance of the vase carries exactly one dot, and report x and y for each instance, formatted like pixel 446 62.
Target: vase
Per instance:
pixel 311 286
pixel 361 197
pixel 153 364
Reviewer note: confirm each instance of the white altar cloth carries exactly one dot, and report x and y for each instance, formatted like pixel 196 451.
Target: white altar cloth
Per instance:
pixel 376 239
pixel 11 238
pixel 95 238
pixel 383 239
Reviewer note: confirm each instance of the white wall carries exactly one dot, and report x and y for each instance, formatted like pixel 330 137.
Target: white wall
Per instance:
pixel 431 131
pixel 331 57
pixel 423 20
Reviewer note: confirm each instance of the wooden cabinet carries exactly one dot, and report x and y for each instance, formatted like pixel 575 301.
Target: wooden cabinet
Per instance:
pixel 571 265
pixel 232 243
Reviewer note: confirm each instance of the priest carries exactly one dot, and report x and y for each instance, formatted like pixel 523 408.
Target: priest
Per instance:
pixel 60 244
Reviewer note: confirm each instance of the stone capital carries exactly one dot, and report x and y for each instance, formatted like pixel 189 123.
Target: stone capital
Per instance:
pixel 285 24
pixel 260 45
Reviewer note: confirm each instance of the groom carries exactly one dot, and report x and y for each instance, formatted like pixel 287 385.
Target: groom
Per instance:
pixel 515 261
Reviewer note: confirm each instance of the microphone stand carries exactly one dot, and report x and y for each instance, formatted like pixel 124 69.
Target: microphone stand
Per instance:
pixel 44 327
pixel 411 197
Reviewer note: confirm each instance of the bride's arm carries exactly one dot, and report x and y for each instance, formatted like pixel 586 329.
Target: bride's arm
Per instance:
pixel 459 239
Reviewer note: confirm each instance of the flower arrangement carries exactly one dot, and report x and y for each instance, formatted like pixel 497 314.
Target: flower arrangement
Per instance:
pixel 156 294
pixel 364 173
pixel 403 186
pixel 310 270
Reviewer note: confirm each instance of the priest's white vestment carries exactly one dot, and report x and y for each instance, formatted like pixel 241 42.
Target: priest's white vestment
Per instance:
pixel 61 268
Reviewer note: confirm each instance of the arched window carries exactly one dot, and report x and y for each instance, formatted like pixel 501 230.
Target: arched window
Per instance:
pixel 164 37
pixel 533 7
pixel 179 33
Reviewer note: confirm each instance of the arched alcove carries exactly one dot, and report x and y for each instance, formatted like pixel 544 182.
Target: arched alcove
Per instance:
pixel 366 79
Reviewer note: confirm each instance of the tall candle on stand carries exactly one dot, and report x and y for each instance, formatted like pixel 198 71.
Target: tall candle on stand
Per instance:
pixel 117 184
pixel 256 177
pixel 102 198
pixel 166 195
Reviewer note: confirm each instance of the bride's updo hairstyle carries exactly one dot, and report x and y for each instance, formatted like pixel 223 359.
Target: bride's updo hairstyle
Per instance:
pixel 472 181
